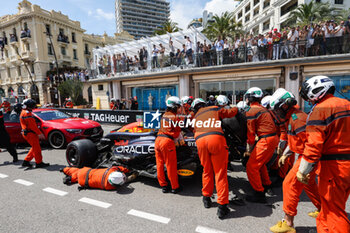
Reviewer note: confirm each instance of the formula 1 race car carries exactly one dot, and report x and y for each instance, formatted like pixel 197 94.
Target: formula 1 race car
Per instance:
pixel 132 147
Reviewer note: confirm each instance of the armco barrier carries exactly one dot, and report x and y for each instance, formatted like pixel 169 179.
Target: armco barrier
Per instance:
pixel 121 117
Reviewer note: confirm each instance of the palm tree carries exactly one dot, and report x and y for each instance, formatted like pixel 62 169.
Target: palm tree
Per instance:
pixel 310 12
pixel 344 14
pixel 224 26
pixel 168 27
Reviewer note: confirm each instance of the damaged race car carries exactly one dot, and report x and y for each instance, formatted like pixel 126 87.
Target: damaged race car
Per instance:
pixel 132 146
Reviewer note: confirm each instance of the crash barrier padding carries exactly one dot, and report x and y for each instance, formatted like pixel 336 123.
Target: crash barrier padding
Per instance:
pixel 121 117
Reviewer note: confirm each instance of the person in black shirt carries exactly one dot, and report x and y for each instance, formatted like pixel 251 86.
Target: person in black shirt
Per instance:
pixel 5 139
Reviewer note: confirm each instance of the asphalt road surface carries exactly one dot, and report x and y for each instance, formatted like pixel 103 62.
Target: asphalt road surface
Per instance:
pixel 36 200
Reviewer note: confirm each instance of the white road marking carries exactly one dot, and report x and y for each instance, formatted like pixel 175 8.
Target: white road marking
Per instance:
pixel 55 191
pixel 3 175
pixel 23 182
pixel 95 202
pixel 202 229
pixel 149 216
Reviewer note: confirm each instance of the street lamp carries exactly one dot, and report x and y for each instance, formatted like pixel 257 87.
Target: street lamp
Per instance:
pixel 54 54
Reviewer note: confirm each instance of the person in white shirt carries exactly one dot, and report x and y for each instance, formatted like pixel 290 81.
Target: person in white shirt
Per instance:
pixel 328 28
pixel 189 49
pixel 219 45
pixel 338 33
pixel 293 37
pixel 155 52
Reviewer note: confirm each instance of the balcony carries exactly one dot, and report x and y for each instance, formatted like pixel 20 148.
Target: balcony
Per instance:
pixel 15 60
pixel 28 56
pixel 4 62
pixel 25 35
pixel 19 79
pixel 64 58
pixel 13 41
pixel 63 39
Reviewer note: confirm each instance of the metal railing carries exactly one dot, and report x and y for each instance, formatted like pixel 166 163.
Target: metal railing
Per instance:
pixel 283 49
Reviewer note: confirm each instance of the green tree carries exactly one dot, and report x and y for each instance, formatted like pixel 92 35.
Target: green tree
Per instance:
pixel 224 26
pixel 312 12
pixel 74 90
pixel 344 14
pixel 168 27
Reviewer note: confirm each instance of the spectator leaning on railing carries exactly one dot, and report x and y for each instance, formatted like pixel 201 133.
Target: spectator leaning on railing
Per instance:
pixel 315 39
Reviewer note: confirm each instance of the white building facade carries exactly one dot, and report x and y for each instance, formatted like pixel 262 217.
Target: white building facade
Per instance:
pixel 260 16
pixel 141 17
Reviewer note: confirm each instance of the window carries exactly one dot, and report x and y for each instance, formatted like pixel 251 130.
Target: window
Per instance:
pixel 8 72
pixel 28 47
pixel 61 31
pixel 19 72
pixel 266 25
pixel 48 29
pixel 256 11
pixel 49 49
pixel 247 8
pixel 75 54
pixel 256 2
pixel 289 7
pixel 73 37
pixel 51 66
pixel 100 87
pixel 63 51
pixel 32 68
pixel 338 1
pixel 247 18
pixel 266 4
pixel 240 15
pixel 86 49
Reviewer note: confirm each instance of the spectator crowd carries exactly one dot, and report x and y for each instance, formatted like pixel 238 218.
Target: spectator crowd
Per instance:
pixel 315 39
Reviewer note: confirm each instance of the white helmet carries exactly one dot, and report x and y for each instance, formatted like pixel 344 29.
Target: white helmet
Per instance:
pixel 186 100
pixel 253 94
pixel 112 100
pixel 242 106
pixel 196 102
pixel 173 102
pixel 316 87
pixel 281 97
pixel 266 101
pixel 117 178
pixel 222 100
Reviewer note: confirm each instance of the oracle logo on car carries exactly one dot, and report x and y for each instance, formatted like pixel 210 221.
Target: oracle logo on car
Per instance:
pixel 138 149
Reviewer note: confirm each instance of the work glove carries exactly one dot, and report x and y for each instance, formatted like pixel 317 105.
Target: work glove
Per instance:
pixel 282 160
pixel 303 178
pixel 41 137
pixel 246 154
pixel 279 151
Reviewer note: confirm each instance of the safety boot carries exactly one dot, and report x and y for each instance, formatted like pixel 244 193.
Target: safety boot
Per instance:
pixel 268 190
pixel 207 202
pixel 26 164
pixel 175 191
pixel 258 197
pixel 41 165
pixel 165 189
pixel 223 210
pixel 282 227
pixel 67 180
pixel 313 214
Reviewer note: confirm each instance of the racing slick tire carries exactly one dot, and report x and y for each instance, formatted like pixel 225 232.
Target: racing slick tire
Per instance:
pixel 81 153
pixel 56 139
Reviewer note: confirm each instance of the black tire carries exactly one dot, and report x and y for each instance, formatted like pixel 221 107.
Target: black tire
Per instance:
pixel 81 153
pixel 56 139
